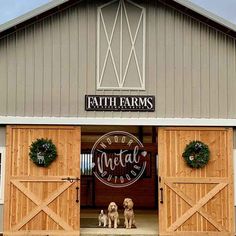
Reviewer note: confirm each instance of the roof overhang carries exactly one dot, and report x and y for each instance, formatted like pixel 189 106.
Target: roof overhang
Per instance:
pixel 204 16
pixel 185 6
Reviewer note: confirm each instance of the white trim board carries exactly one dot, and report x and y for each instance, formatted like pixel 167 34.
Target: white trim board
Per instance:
pixel 116 121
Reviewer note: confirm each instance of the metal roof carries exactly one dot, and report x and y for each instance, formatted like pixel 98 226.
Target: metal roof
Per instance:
pixel 31 14
pixel 56 3
pixel 190 5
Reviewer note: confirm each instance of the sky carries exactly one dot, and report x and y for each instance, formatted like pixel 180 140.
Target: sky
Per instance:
pixel 224 8
pixel 10 9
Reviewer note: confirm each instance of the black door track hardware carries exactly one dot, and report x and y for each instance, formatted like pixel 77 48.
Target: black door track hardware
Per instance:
pixel 71 180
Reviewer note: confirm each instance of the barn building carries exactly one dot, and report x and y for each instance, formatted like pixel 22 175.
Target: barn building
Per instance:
pixel 159 73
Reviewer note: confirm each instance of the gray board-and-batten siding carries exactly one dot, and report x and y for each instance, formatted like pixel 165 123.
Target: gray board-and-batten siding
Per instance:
pixel 47 67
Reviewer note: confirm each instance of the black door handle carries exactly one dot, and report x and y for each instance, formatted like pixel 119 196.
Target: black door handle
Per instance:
pixel 77 194
pixel 72 180
pixel 161 199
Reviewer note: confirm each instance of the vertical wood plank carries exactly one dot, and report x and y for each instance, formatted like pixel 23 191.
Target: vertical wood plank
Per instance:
pixel 47 65
pixel 39 70
pixel 11 72
pixel 64 68
pixel 223 79
pixel 20 74
pixel 29 71
pixel 74 63
pixel 178 58
pixel 172 142
pixel 231 81
pixel 187 39
pixel 56 66
pixel 231 180
pixel 161 58
pixel 83 56
pixel 195 69
pixel 162 169
pixel 205 65
pixel 3 76
pixel 91 49
pixel 7 192
pixel 169 50
pixel 151 54
pixel 17 205
pixel 214 74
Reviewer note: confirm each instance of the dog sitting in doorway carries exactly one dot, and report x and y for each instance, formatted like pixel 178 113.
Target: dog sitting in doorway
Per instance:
pixel 128 213
pixel 102 219
pixel 113 215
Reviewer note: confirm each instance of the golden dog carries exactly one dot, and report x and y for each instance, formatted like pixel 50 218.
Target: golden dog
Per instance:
pixel 128 213
pixel 113 215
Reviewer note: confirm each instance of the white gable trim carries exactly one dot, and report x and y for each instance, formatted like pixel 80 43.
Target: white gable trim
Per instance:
pixel 35 12
pixel 55 3
pixel 200 10
pixel 116 121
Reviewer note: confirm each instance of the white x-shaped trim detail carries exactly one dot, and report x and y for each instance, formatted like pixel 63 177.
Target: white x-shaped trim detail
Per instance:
pixel 121 75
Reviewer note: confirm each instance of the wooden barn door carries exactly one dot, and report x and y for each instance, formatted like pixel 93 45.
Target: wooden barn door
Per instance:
pixel 39 201
pixel 195 201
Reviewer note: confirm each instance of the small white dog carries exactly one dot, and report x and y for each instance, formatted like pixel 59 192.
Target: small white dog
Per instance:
pixel 102 219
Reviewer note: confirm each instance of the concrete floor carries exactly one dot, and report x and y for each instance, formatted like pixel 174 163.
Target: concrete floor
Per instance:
pixel 146 223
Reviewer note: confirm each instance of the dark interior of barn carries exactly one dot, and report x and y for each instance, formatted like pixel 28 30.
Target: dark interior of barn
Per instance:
pixel 96 195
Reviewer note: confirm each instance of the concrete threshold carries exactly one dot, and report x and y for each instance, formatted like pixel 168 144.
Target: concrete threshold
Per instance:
pixel 146 222
pixel 117 232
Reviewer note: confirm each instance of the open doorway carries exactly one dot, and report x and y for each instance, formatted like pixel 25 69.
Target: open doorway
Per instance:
pixel 96 195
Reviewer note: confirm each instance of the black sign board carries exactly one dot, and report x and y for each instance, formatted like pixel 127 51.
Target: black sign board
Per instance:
pixel 119 103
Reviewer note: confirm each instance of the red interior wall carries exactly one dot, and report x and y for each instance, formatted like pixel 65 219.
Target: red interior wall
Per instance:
pixel 143 192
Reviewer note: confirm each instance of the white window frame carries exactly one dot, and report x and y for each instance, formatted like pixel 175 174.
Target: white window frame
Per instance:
pixel 2 187
pixel 120 77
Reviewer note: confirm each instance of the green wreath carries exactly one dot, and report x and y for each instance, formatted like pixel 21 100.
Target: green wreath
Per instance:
pixel 43 152
pixel 196 154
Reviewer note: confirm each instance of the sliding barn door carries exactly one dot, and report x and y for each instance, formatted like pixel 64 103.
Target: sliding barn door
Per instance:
pixel 38 200
pixel 195 201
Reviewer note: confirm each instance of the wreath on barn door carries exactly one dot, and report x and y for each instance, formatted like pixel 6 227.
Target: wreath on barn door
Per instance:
pixel 43 152
pixel 196 154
